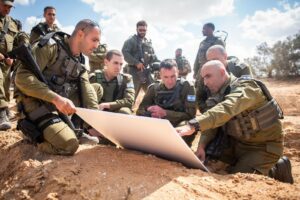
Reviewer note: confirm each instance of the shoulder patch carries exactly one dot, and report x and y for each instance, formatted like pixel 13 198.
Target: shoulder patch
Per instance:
pixel 191 98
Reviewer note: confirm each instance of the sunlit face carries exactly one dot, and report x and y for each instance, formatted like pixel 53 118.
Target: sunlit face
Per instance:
pixel 4 9
pixel 114 65
pixel 169 77
pixel 141 31
pixel 50 16
pixel 216 55
pixel 213 78
pixel 89 41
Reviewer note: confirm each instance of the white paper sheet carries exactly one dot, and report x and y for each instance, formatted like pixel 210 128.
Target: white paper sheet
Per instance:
pixel 150 135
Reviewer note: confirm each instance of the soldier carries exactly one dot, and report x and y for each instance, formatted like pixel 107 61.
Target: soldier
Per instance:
pixel 43 28
pixel 9 30
pixel 96 59
pixel 60 60
pixel 244 111
pixel 139 54
pixel 233 65
pixel 210 40
pixel 183 64
pixel 117 94
pixel 171 98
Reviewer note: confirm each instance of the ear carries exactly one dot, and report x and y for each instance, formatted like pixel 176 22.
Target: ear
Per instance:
pixel 105 61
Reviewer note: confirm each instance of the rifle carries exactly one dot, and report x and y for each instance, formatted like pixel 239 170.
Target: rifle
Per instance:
pixel 24 54
pixel 215 148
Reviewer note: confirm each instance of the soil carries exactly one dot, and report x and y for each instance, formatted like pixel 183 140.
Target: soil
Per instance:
pixel 105 172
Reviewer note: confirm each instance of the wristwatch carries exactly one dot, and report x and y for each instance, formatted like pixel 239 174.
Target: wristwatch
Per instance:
pixel 194 123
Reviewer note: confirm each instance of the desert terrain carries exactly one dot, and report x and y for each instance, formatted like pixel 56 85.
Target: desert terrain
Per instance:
pixel 105 172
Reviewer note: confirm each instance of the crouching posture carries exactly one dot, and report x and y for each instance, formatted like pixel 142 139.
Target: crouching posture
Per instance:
pixel 58 83
pixel 242 126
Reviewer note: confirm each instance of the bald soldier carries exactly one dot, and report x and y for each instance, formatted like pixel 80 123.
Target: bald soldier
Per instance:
pixel 210 40
pixel 46 27
pixel 8 32
pixel 116 93
pixel 233 66
pixel 61 62
pixel 171 98
pixel 246 113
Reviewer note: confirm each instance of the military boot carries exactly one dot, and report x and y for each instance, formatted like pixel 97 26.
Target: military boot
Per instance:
pixel 282 171
pixel 4 121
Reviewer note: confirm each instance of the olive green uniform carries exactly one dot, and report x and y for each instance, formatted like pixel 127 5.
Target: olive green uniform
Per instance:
pixel 96 59
pixel 137 50
pixel 257 151
pixel 179 102
pixel 40 30
pixel 235 67
pixel 183 65
pixel 6 45
pixel 118 92
pixel 66 75
pixel 201 54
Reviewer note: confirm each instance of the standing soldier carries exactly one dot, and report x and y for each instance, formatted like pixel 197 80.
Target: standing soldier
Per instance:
pixel 140 56
pixel 9 30
pixel 245 118
pixel 171 98
pixel 117 91
pixel 60 61
pixel 210 40
pixel 183 64
pixel 96 59
pixel 43 28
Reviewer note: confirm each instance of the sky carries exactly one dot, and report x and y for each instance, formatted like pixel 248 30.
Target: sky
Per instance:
pixel 174 23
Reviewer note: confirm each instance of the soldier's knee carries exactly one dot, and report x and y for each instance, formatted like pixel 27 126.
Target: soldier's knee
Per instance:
pixel 71 146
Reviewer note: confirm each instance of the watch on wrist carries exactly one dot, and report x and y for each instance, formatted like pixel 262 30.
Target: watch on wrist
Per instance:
pixel 194 123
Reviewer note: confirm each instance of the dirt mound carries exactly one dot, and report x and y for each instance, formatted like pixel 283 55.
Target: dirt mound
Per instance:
pixel 104 172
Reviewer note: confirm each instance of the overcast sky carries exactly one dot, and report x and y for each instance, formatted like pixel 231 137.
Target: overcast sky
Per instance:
pixel 173 24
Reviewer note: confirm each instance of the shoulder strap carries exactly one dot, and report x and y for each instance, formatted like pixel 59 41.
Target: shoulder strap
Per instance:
pixel 5 29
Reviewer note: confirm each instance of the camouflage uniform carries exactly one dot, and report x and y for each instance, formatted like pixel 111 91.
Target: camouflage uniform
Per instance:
pixel 119 92
pixel 40 30
pixel 235 67
pixel 201 54
pixel 96 59
pixel 68 78
pixel 183 65
pixel 253 146
pixel 179 103
pixel 137 50
pixel 9 31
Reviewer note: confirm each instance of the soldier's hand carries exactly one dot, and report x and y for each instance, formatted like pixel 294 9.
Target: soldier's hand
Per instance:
pixel 157 112
pixel 140 66
pixel 64 105
pixel 103 106
pixel 1 57
pixel 9 61
pixel 200 153
pixel 185 130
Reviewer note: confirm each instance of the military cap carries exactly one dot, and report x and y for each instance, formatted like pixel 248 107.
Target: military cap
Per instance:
pixel 8 2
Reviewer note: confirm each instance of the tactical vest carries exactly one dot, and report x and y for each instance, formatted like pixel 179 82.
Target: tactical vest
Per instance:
pixel 170 99
pixel 7 34
pixel 121 84
pixel 64 74
pixel 250 122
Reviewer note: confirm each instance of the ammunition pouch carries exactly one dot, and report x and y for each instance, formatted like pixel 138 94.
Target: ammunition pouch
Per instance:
pixel 249 123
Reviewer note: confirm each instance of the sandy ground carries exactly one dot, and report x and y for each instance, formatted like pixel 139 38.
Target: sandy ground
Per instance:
pixel 104 172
